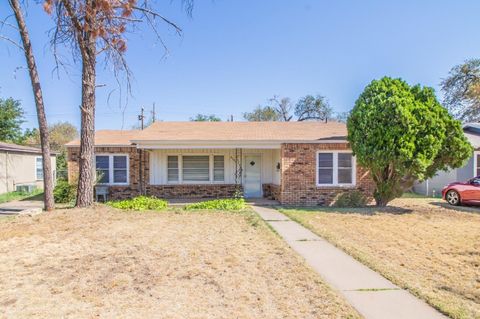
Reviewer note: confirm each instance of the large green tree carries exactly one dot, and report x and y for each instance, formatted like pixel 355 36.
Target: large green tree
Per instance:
pixel 11 119
pixel 402 134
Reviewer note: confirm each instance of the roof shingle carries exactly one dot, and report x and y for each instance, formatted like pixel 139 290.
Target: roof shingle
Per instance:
pixel 242 131
pixel 223 131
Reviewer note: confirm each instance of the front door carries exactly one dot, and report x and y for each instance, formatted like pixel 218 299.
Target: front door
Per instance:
pixel 252 184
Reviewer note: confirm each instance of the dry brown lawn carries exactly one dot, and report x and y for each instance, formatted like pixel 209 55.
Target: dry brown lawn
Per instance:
pixel 430 249
pixel 105 263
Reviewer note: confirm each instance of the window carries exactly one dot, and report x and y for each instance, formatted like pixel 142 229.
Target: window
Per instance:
pixel 39 168
pixel 325 168
pixel 119 169
pixel 195 168
pixel 335 169
pixel 477 164
pixel 172 168
pixel 112 169
pixel 344 168
pixel 218 168
pixel 103 167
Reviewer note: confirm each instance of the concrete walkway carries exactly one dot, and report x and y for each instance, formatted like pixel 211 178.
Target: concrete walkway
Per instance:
pixel 21 207
pixel 368 292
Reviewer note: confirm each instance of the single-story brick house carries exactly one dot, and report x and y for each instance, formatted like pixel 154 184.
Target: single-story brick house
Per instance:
pixel 296 163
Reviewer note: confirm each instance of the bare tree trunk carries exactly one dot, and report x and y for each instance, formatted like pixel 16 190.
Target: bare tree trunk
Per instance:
pixel 37 93
pixel 86 176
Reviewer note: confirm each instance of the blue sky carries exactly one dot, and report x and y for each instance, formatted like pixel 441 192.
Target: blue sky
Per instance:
pixel 234 55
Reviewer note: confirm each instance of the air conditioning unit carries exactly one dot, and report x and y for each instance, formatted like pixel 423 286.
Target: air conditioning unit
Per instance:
pixel 25 188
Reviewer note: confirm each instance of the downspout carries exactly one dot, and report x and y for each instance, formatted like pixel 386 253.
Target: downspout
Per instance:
pixel 6 170
pixel 140 183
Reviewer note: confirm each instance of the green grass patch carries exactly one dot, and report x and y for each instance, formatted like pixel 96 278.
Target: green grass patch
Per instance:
pixel 11 196
pixel 219 204
pixel 413 195
pixel 140 203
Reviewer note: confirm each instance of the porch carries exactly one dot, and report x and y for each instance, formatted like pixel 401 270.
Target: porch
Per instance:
pixel 213 172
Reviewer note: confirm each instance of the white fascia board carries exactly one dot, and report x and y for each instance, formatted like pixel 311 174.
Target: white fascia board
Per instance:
pixel 105 145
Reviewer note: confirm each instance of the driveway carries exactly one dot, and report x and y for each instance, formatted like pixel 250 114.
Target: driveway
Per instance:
pixel 21 207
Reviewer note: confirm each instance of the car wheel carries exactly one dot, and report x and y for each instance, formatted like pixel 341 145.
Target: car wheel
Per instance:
pixel 453 198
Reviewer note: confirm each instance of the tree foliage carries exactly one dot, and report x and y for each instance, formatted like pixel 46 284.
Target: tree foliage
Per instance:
pixel 402 134
pixel 11 119
pixel 262 114
pixel 462 91
pixel 312 107
pixel 308 108
pixel 59 134
pixel 205 118
pixel 283 107
pixel 342 117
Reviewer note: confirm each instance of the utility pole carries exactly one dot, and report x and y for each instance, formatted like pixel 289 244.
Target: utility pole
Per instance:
pixel 153 113
pixel 231 118
pixel 141 118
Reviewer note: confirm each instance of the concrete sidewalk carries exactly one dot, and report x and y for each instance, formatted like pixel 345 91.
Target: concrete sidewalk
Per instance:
pixel 373 296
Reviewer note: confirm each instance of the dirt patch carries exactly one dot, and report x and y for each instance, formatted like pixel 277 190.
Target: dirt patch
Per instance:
pixel 104 263
pixel 433 251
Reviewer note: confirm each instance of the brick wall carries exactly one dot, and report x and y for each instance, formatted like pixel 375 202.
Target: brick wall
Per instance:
pixel 298 169
pixel 271 191
pixel 134 189
pixel 134 163
pixel 299 176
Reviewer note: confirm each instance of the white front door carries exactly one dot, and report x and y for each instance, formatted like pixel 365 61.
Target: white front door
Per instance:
pixel 253 171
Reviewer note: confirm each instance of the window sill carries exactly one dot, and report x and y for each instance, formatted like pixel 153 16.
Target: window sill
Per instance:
pixel 336 186
pixel 194 183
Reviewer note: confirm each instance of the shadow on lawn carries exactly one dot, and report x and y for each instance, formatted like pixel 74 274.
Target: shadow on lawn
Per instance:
pixel 369 210
pixel 37 197
pixel 465 209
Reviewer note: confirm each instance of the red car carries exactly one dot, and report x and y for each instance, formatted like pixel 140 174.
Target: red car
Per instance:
pixel 463 192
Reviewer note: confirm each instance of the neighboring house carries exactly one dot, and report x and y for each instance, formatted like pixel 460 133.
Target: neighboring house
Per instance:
pixel 296 163
pixel 21 166
pixel 433 186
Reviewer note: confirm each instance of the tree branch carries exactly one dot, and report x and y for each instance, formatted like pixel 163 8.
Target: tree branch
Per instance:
pixel 155 14
pixel 12 42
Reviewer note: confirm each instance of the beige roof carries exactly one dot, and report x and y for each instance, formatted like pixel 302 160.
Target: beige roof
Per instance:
pixel 110 138
pixel 242 131
pixel 8 147
pixel 223 131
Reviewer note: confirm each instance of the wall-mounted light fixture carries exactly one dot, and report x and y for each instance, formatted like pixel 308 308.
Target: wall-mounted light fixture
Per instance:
pixel 278 166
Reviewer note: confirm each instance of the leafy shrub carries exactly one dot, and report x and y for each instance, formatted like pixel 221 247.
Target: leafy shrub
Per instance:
pixel 64 192
pixel 351 199
pixel 140 203
pixel 219 204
